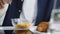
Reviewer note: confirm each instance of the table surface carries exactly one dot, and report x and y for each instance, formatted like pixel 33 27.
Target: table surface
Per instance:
pixel 13 28
pixel 53 26
pixel 7 28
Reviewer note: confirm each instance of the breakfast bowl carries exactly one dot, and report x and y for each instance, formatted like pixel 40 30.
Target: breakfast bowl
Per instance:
pixel 17 24
pixel 21 27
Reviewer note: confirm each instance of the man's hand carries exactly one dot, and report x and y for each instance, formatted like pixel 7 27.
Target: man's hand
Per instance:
pixel 2 2
pixel 43 27
pixel 9 1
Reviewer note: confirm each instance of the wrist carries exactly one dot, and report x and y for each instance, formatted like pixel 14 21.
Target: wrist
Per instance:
pixel 43 27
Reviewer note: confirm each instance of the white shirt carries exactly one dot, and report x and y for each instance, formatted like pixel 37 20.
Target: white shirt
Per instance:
pixel 28 14
pixel 29 11
pixel 3 12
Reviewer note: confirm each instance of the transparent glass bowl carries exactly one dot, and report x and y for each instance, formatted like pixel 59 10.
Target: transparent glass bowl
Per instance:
pixel 17 22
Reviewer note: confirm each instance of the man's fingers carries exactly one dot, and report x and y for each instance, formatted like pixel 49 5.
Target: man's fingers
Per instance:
pixel 1 5
pixel 9 1
pixel 2 1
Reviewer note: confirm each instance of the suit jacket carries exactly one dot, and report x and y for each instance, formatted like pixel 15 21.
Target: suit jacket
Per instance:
pixel 57 4
pixel 44 10
pixel 12 12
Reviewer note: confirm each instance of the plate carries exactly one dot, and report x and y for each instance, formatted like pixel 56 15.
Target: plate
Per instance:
pixel 33 29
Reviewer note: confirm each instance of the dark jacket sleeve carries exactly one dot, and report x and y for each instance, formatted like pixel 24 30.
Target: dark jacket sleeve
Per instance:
pixel 44 10
pixel 12 12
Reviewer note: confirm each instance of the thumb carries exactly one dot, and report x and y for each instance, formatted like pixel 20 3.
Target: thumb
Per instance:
pixel 1 5
pixel 9 1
